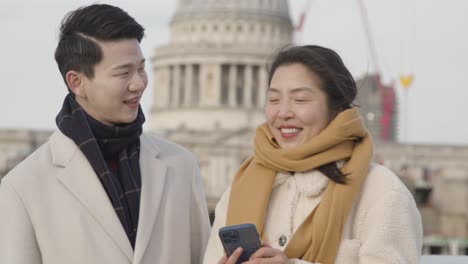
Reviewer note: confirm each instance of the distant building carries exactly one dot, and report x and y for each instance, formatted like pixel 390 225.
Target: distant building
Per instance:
pixel 437 175
pixel 15 145
pixel 211 82
pixel 378 105
pixel 211 79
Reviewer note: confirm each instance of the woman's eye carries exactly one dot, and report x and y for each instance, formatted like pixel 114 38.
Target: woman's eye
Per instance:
pixel 122 74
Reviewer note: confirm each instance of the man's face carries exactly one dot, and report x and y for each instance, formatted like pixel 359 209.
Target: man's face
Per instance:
pixel 113 95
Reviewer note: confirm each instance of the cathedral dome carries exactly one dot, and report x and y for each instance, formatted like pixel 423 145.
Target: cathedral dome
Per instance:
pixel 212 73
pixel 255 23
pixel 275 8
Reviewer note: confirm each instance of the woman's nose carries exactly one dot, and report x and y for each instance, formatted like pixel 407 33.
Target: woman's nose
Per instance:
pixel 285 111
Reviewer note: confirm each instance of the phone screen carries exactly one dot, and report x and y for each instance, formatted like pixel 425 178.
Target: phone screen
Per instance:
pixel 244 235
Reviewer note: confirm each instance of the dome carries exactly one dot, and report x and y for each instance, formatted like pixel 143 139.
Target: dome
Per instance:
pixel 215 59
pixel 237 23
pixel 275 8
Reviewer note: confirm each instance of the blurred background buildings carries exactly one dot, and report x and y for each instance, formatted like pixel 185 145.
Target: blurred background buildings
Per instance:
pixel 209 90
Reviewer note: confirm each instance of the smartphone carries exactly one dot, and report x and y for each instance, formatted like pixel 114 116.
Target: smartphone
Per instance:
pixel 244 235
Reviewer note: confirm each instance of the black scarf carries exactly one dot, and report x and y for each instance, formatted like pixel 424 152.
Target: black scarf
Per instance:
pixel 117 144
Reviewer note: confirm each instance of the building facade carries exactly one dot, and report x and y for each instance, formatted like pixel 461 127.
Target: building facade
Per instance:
pixel 211 79
pixel 15 145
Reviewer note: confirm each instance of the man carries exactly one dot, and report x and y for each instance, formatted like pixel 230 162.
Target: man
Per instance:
pixel 101 191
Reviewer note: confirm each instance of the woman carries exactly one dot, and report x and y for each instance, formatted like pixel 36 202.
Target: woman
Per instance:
pixel 310 187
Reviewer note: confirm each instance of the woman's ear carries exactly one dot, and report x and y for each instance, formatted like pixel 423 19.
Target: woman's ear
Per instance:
pixel 75 83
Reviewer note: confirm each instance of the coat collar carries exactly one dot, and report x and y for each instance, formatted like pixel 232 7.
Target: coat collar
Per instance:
pixel 153 178
pixel 63 148
pixel 310 183
pixel 80 179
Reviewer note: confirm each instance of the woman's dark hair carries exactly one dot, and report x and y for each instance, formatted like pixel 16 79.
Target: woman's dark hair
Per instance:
pixel 336 81
pixel 80 31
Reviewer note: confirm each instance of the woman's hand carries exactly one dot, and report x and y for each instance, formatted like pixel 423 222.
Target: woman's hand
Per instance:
pixel 265 255
pixel 233 258
pixel 268 255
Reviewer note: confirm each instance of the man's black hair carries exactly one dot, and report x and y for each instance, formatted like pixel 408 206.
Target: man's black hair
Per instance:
pixel 80 30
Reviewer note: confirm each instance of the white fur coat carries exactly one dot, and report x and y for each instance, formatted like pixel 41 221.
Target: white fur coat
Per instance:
pixel 384 225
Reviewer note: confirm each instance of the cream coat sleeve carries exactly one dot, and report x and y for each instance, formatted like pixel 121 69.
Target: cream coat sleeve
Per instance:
pixel 199 219
pixel 391 231
pixel 17 239
pixel 214 250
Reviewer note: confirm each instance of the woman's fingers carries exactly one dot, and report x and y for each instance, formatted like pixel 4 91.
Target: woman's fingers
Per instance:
pixel 223 260
pixel 269 255
pixel 265 244
pixel 234 256
pixel 265 252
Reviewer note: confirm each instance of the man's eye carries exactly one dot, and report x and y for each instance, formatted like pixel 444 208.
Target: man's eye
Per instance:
pixel 122 74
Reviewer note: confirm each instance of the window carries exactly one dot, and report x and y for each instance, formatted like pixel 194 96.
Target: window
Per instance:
pixel 240 84
pixel 171 84
pixel 224 84
pixel 182 85
pixel 255 84
pixel 196 84
pixel 435 250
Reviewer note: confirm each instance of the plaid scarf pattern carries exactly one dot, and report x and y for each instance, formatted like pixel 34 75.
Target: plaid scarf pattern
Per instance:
pixel 100 142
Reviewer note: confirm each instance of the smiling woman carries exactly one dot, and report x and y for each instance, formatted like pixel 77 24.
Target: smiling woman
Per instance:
pixel 297 107
pixel 311 188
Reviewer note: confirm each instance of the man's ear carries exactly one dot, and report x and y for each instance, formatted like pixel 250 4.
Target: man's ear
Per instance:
pixel 75 82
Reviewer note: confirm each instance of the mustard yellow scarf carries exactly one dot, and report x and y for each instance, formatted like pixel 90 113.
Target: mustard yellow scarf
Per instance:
pixel 318 237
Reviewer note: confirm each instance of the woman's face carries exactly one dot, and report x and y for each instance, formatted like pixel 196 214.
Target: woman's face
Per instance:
pixel 296 108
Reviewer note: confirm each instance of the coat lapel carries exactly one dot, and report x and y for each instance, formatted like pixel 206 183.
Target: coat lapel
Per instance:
pixel 80 179
pixel 153 175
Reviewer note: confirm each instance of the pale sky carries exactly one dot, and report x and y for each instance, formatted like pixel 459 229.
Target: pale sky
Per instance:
pixel 425 37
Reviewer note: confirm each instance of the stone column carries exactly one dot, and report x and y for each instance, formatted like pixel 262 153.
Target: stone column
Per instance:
pixel 262 86
pixel 232 85
pixel 175 85
pixel 248 86
pixel 162 87
pixel 188 84
pixel 196 87
pixel 210 75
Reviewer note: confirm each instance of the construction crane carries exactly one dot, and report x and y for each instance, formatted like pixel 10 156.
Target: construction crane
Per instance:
pixel 386 91
pixel 300 24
